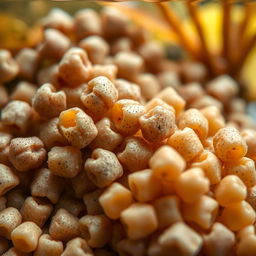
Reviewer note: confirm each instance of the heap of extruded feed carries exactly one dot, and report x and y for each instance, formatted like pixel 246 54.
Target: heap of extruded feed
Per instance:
pixel 108 148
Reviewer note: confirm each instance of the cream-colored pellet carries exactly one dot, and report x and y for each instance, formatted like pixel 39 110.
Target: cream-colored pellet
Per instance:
pixel 144 185
pixel 140 220
pixel 25 237
pixel 115 199
pixel 192 191
pixel 210 164
pixel 202 212
pixel 103 168
pixel 167 164
pixel 187 143
pixel 194 119
pixel 171 97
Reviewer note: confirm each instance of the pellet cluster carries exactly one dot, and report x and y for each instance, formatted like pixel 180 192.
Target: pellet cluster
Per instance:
pixel 108 148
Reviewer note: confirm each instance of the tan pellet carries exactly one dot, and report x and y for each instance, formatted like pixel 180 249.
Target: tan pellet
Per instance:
pixel 15 198
pixel 24 91
pixel 219 241
pixel 148 84
pixel 3 201
pixel 27 60
pixel 91 202
pixel 74 67
pixel 4 96
pixel 244 168
pixel 65 161
pixel 71 204
pixel 171 97
pixel 113 22
pixel 99 95
pixel 64 226
pixel 58 19
pixel 8 66
pixel 126 114
pixel 48 246
pixel 103 168
pixel 46 184
pixel 157 124
pixel 48 102
pixel 81 184
pixel 96 229
pixel 131 247
pixel 215 119
pixel 249 135
pixel 26 153
pixel 128 90
pixel 77 127
pixel 25 236
pixel 54 45
pixel 107 70
pixel 135 154
pixel 180 239
pixel 108 138
pixel 222 88
pixel 50 134
pixel 35 210
pixel 167 210
pixel 8 180
pixel 140 220
pixel 229 145
pixel 191 92
pixel 87 23
pixel 16 116
pixel 129 64
pixel 96 48
pixel 10 218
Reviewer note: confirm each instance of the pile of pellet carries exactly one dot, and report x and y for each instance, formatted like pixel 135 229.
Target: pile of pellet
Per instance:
pixel 108 148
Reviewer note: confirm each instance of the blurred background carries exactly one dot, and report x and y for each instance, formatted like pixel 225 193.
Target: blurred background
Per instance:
pixel 223 32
